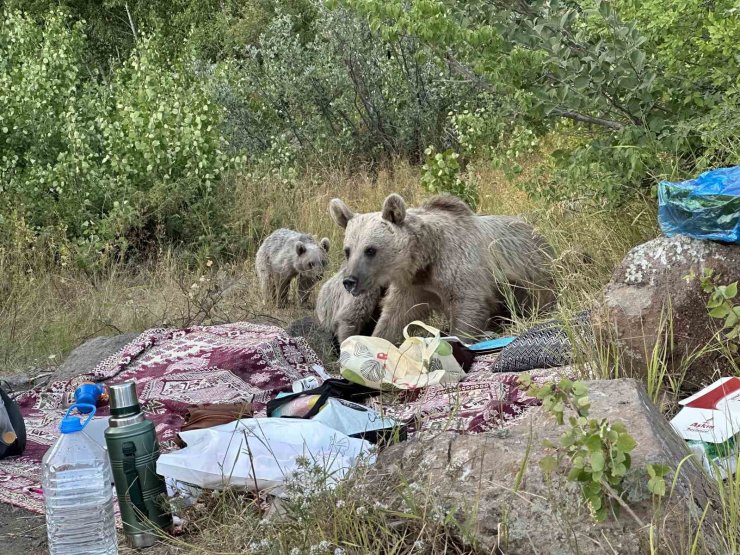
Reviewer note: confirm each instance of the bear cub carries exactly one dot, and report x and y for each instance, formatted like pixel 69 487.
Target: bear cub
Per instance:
pixel 285 255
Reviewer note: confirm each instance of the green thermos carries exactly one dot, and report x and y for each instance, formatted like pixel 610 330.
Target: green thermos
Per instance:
pixel 133 450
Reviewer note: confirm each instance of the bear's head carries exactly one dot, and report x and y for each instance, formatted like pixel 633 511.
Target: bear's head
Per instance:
pixel 376 245
pixel 311 257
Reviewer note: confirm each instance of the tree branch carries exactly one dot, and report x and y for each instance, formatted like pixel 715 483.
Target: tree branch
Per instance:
pixel 131 23
pixel 617 126
pixel 467 73
pixel 483 84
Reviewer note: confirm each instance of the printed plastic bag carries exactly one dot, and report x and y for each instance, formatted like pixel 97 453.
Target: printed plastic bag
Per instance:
pixel 418 362
pixel 707 207
pixel 261 453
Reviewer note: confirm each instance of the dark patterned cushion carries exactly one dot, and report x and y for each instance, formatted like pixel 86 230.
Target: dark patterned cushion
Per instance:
pixel 546 345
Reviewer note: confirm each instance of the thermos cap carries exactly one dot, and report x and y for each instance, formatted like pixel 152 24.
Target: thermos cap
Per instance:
pixel 123 396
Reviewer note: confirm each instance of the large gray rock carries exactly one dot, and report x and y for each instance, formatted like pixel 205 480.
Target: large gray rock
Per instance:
pixel 476 477
pixel 88 355
pixel 651 284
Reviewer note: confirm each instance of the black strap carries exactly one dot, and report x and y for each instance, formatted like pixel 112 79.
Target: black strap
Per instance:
pixel 333 387
pixel 133 485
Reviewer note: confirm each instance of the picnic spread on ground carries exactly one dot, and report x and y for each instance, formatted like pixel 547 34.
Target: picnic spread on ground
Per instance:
pixel 181 372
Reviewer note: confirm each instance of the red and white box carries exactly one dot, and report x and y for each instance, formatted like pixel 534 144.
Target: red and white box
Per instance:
pixel 710 423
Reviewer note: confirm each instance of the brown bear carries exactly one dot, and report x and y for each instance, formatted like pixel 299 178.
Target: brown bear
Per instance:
pixel 284 255
pixel 442 256
pixel 343 314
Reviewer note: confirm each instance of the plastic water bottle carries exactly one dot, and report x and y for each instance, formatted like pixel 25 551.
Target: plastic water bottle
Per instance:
pixel 77 491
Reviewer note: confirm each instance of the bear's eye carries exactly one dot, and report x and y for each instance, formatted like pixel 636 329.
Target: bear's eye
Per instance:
pixel 370 252
pixel 346 252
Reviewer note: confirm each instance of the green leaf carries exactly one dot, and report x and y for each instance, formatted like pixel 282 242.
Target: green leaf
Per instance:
pixel 548 464
pixel 719 312
pixel 581 82
pixel 565 384
pixel 626 442
pixel 714 301
pixel 660 469
pixel 637 57
pixel 731 320
pixel 619 427
pixel 591 489
pixel 657 486
pixel 595 502
pixel 597 461
pixel 579 388
pixel 583 403
pixel 600 515
pixel 731 291
pixel 593 443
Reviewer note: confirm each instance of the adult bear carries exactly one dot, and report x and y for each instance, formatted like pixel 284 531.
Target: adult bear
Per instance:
pixel 442 256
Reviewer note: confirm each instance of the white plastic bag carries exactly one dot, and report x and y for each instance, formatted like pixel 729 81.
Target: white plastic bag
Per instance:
pixel 260 453
pixel 352 419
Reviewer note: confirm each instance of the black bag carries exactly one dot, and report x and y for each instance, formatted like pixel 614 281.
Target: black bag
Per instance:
pixel 19 427
pixel 333 387
pixel 347 391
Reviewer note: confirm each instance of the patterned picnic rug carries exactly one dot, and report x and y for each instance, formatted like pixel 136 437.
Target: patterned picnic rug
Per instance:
pixel 172 369
pixel 175 369
pixel 485 400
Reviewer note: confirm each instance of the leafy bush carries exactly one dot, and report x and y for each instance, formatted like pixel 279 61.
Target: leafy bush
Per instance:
pixel 345 94
pixel 721 305
pixel 597 451
pixel 110 166
pixel 635 76
pixel 441 174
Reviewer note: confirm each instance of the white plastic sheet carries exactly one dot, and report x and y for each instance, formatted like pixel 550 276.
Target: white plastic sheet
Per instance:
pixel 351 418
pixel 260 453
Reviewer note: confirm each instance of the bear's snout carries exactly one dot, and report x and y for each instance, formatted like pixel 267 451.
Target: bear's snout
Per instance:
pixel 350 283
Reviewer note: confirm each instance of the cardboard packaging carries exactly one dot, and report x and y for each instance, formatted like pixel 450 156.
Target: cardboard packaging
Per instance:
pixel 710 423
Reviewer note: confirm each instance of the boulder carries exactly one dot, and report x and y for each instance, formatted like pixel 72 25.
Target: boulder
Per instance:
pixel 21 381
pixel 88 355
pixel 651 287
pixel 502 501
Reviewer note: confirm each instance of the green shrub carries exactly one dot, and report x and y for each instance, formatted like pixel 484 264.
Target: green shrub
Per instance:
pixel 647 84
pixel 115 167
pixel 441 174
pixel 346 93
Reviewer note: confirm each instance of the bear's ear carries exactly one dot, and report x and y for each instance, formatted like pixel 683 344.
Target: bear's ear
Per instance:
pixel 394 209
pixel 300 248
pixel 325 244
pixel 340 212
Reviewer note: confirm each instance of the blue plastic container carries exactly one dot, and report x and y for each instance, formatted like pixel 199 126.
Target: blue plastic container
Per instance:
pixel 707 207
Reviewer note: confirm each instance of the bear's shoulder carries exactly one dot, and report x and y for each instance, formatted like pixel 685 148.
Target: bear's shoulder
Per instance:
pixel 449 205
